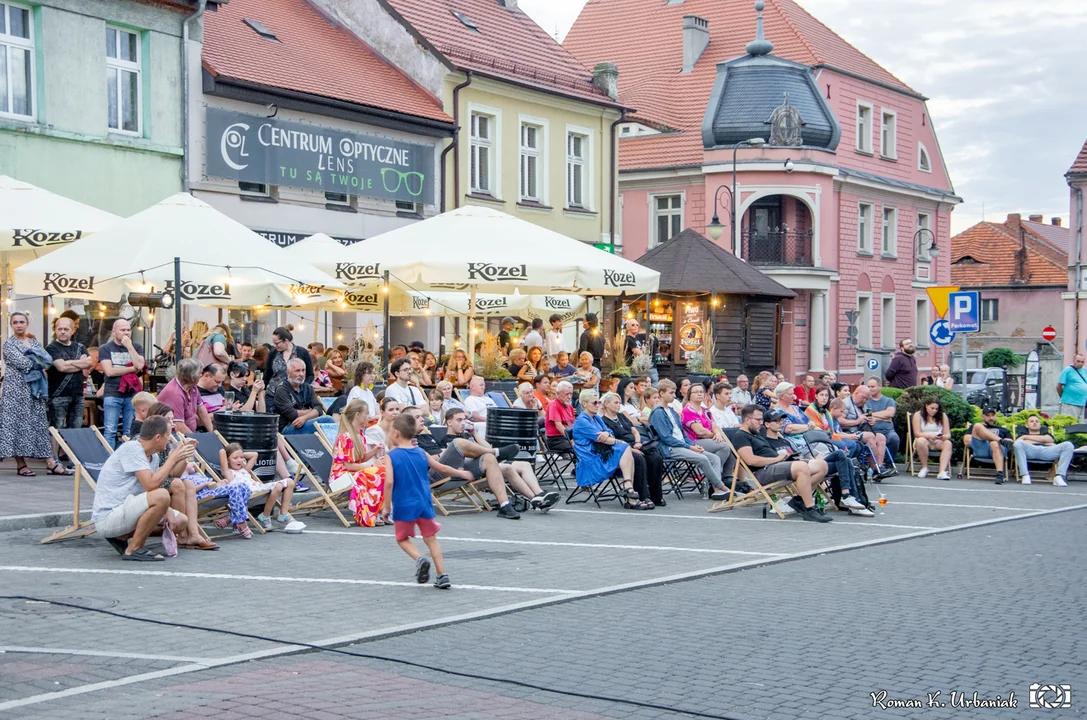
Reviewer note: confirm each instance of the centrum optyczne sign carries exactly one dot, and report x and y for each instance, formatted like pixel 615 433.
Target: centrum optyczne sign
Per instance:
pixel 274 152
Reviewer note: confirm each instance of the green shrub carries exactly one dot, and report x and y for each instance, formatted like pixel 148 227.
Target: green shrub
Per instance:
pixel 1000 357
pixel 1056 424
pixel 893 393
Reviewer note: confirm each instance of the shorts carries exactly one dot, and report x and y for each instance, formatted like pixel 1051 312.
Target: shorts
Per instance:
pixel 428 527
pixel 775 473
pixel 122 519
pixel 454 458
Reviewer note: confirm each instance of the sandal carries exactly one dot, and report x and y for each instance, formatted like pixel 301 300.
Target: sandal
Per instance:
pixel 59 469
pixel 142 555
pixel 24 471
pixel 222 522
pixel 202 545
pixel 629 504
pixel 243 530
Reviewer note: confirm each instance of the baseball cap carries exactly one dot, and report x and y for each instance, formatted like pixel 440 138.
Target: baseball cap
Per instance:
pixel 775 415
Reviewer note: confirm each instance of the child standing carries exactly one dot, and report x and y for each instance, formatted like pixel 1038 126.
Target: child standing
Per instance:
pixel 407 490
pixel 236 466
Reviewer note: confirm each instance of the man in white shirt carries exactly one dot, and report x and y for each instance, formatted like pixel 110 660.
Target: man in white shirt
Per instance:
pixel 740 394
pixel 555 342
pixel 477 404
pixel 534 337
pixel 405 394
pixel 721 410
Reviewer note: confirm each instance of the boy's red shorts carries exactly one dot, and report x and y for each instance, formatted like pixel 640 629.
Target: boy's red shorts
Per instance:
pixel 406 528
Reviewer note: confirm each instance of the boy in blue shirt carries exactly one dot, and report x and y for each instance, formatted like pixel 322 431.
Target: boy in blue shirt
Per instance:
pixel 407 490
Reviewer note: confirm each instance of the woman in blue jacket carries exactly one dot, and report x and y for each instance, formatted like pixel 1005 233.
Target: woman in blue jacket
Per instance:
pixel 600 454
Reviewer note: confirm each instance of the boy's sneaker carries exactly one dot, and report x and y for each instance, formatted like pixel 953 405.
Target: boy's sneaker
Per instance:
pixel 265 521
pixel 812 514
pixel 422 570
pixel 442 582
pixel 507 512
pixel 1000 478
pixel 1024 479
pixel 1058 481
pixel 851 502
pixel 301 487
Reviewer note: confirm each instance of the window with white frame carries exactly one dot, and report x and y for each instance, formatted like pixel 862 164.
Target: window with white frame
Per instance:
pixel 923 239
pixel 889 231
pixel 924 162
pixel 577 146
pixel 864 127
pixel 531 170
pixel 888 135
pixel 990 310
pixel 123 80
pixel 667 217
pixel 482 141
pixel 864 227
pixel 921 321
pixel 887 321
pixel 864 321
pixel 16 62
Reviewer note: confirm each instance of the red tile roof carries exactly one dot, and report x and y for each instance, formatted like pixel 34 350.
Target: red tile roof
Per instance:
pixel 508 44
pixel 312 56
pixel 994 247
pixel 644 38
pixel 1057 236
pixel 1080 165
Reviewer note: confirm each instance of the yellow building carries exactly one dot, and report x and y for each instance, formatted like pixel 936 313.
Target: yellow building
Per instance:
pixel 535 131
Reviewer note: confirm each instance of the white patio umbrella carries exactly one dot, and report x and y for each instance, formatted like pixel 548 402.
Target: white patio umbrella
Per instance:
pixel 222 262
pixel 34 221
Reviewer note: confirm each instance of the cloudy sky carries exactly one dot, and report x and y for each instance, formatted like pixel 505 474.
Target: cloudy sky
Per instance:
pixel 1007 82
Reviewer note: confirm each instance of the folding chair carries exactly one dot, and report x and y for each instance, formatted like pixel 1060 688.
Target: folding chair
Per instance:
pixel 314 460
pixel 555 465
pixel 680 475
pixel 88 451
pixel 500 399
pixel 208 445
pixel 604 490
pixel 760 493
pixel 932 451
pixel 1079 454
pixel 462 394
pixel 1050 468
pixel 969 458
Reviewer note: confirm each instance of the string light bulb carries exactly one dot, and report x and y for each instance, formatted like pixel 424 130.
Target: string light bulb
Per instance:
pixel 339 336
pixel 301 326
pixel 630 316
pixel 410 323
pixel 150 317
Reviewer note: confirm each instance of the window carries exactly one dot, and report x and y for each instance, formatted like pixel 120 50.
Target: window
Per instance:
pixel 890 231
pixel 667 217
pixel 864 228
pixel 260 29
pixel 334 198
pixel 924 164
pixel 531 144
pixel 16 62
pixel 990 310
pixel 250 188
pixel 923 239
pixel 921 322
pixel 466 20
pixel 405 208
pixel 482 160
pixel 123 80
pixel 888 135
pixel 864 128
pixel 576 150
pixel 887 321
pixel 864 321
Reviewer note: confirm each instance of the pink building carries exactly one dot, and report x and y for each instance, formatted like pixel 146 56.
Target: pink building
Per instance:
pixel 842 200
pixel 1075 309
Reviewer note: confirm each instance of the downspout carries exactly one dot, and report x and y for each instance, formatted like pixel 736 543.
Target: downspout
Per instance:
pixel 185 94
pixel 614 184
pixel 1079 261
pixel 455 146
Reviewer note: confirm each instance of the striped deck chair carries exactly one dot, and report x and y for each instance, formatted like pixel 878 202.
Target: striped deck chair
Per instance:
pixel 88 451
pixel 314 458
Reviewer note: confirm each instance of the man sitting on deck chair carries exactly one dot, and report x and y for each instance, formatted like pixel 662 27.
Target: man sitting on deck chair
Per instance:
pixel 770 459
pixel 1038 445
pixel 987 440
pixel 133 494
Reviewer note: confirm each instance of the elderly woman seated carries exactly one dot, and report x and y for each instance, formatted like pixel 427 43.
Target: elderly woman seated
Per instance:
pixel 648 462
pixel 586 374
pixel 527 400
pixel 600 454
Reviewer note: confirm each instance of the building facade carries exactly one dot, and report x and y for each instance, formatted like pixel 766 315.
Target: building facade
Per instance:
pixel 841 192
pixel 91 105
pixel 1075 309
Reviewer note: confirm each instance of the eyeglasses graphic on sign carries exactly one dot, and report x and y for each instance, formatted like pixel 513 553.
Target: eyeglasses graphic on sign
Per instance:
pixel 412 181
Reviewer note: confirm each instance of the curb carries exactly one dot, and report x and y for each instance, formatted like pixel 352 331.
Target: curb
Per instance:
pixel 40 521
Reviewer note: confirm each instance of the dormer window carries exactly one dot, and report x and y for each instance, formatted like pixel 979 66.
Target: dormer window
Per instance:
pixel 260 29
pixel 466 20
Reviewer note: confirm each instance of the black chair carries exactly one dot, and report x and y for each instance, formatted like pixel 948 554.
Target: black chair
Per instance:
pixel 315 462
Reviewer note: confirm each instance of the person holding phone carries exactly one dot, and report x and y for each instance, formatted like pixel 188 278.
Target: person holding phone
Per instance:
pixel 931 429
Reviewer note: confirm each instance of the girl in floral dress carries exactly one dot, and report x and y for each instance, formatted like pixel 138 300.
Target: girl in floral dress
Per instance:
pixel 351 463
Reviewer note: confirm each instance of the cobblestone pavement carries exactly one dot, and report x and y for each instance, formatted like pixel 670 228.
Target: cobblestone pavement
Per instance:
pixel 991 608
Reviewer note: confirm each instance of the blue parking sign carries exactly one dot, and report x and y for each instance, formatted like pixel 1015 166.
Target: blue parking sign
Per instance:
pixel 964 311
pixel 873 364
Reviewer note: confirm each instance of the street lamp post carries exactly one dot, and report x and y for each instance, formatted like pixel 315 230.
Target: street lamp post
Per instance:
pixel 715 228
pixel 931 250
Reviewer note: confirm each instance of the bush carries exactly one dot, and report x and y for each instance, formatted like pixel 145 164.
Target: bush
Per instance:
pixel 1056 424
pixel 1001 357
pixel 893 393
pixel 912 399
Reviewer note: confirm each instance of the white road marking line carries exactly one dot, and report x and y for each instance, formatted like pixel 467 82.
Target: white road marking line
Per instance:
pixel 733 518
pixel 1001 489
pixel 446 538
pixel 270 578
pixel 978 507
pixel 103 653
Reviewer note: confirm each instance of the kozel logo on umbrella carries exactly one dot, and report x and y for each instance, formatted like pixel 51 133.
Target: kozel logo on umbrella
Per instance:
pixel 67 285
pixel 360 299
pixel 494 273
pixel 491 303
pixel 556 303
pixel 420 303
pixel 200 291
pixel 306 291
pixel 352 272
pixel 41 238
pixel 618 279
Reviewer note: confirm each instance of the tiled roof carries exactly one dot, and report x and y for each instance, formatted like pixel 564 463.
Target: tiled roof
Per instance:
pixel 644 38
pixel 1080 165
pixel 994 247
pixel 1057 236
pixel 506 44
pixel 850 172
pixel 311 55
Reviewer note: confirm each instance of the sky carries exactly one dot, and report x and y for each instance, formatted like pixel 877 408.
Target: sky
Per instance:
pixel 1007 82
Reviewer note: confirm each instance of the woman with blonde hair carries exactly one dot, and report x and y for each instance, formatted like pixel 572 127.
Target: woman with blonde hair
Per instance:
pixel 459 370
pixel 215 346
pixel 191 342
pixel 352 466
pixel 336 369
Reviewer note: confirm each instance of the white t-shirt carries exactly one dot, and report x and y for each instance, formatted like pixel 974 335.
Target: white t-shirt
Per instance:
pixel 475 405
pixel 117 478
pixel 724 418
pixel 632 412
pixel 555 343
pixel 367 396
pixel 409 395
pixel 740 397
pixel 532 339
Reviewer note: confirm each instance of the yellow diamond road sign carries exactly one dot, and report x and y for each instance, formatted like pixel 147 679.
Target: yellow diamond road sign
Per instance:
pixel 939 297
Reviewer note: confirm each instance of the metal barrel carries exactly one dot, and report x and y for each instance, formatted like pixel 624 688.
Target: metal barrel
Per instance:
pixel 257 432
pixel 509 426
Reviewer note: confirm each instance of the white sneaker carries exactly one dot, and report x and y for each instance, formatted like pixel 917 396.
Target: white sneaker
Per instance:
pixel 292 467
pixel 851 502
pixel 863 512
pixel 1058 481
pixel 1024 479
pixel 923 472
pixel 943 476
pixel 784 508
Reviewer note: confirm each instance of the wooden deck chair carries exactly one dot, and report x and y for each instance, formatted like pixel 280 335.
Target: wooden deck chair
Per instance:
pixel 915 464
pixel 88 451
pixel 314 458
pixel 1050 468
pixel 207 459
pixel 970 458
pixel 760 493
pixel 500 399
pixel 453 489
pixel 462 394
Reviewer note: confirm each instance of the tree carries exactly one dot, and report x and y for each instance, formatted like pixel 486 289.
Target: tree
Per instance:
pixel 1001 357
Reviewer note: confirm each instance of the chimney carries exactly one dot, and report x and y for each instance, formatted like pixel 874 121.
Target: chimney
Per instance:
pixel 606 77
pixel 1014 219
pixel 1055 221
pixel 1037 218
pixel 696 36
pixel 510 3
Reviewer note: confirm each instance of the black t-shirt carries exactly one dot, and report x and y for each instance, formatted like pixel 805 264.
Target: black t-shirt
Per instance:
pixel 760 445
pixel 120 357
pixel 620 427
pixel 630 342
pixel 504 340
pixel 241 394
pixel 431 444
pixel 64 384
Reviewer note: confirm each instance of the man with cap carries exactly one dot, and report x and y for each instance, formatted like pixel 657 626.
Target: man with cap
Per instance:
pixel 989 441
pixel 504 340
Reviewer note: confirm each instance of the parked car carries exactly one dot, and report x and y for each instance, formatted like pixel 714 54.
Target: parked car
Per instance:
pixel 984 386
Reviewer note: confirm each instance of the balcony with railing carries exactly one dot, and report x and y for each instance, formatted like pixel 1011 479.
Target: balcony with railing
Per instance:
pixel 778 248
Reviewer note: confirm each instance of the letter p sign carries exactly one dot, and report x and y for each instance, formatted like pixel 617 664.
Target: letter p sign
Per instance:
pixel 965 312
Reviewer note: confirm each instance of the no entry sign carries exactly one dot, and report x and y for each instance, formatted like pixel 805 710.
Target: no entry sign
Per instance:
pixel 1049 333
